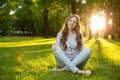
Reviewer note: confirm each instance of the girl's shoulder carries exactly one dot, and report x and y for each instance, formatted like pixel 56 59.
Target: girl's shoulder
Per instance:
pixel 59 33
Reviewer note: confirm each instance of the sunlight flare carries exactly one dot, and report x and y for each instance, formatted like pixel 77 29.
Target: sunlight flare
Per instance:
pixel 97 22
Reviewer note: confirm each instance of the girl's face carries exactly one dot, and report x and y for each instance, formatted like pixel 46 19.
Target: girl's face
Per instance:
pixel 72 22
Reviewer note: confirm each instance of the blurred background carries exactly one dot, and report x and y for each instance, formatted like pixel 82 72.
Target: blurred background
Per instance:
pixel 44 18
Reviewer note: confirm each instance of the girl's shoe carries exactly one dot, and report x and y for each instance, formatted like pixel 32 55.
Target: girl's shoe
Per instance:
pixel 59 69
pixel 54 69
pixel 87 72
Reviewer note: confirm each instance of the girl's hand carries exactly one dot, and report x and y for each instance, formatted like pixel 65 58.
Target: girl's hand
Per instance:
pixel 54 47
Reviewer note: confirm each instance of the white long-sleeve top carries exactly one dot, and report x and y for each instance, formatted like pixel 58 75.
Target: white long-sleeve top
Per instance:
pixel 71 51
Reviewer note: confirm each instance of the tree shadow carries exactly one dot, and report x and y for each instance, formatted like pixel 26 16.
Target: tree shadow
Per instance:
pixel 104 68
pixel 116 42
pixel 36 61
pixel 25 61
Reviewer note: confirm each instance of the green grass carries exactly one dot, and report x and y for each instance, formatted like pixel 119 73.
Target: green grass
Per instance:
pixel 31 58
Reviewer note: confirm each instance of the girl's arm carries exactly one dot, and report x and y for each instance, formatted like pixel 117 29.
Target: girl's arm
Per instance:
pixel 58 38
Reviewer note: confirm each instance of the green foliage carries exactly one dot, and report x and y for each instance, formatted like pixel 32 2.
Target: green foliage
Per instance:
pixel 37 17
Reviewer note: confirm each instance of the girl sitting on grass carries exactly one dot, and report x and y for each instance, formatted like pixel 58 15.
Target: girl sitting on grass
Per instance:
pixel 69 51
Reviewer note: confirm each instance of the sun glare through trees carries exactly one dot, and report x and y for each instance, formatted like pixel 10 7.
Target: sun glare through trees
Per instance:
pixel 97 23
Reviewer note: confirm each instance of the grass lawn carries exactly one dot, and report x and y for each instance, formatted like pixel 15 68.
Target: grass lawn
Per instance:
pixel 31 58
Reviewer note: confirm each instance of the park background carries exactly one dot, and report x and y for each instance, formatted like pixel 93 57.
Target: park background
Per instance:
pixel 28 28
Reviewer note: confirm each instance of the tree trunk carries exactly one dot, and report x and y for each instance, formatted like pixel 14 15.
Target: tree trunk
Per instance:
pixel 33 28
pixel 90 33
pixel 46 28
pixel 73 7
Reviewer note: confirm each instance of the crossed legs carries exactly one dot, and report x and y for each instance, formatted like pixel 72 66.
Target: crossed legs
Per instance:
pixel 66 64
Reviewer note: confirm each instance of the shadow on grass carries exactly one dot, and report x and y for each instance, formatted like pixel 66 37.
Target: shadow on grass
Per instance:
pixel 34 62
pixel 116 42
pixel 104 68
pixel 25 62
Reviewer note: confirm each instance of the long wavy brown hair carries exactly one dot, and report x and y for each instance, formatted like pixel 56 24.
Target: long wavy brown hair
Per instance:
pixel 76 30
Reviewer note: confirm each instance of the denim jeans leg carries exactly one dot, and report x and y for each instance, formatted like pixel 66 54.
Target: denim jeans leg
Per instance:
pixel 82 56
pixel 60 55
pixel 59 63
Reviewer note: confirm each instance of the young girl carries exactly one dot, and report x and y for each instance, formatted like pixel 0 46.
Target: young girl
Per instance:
pixel 69 51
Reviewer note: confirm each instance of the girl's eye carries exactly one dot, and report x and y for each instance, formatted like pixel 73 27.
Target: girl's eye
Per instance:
pixel 70 20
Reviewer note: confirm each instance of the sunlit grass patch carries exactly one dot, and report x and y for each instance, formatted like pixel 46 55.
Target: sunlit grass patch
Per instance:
pixel 26 42
pixel 31 58
pixel 105 60
pixel 110 50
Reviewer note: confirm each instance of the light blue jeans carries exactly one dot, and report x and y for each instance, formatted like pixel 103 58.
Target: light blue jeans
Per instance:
pixel 78 63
